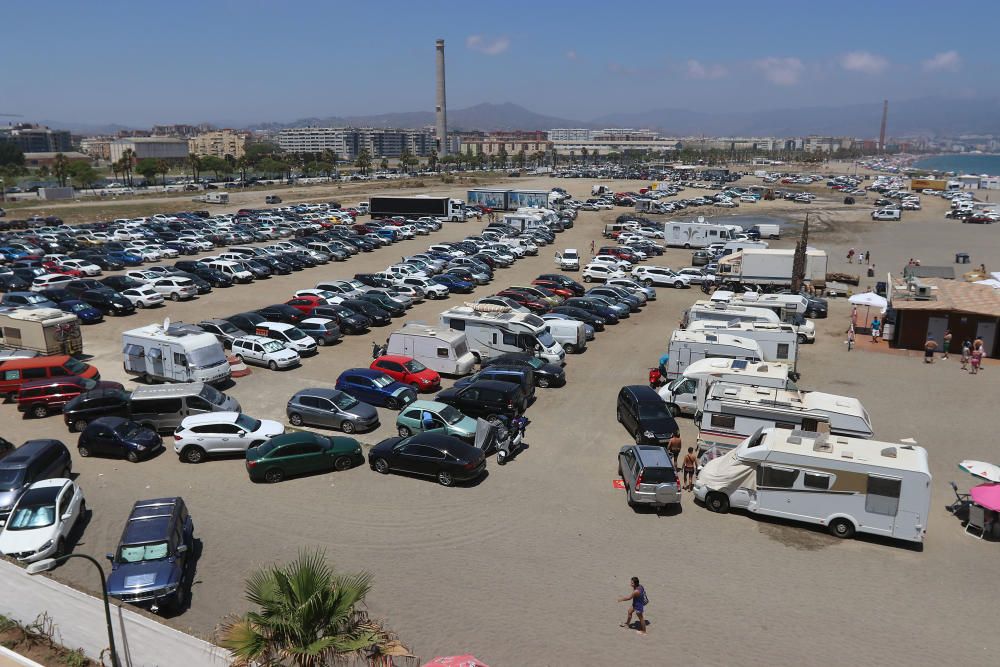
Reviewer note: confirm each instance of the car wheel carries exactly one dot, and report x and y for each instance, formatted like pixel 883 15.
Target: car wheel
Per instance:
pixel 321 341
pixel 647 282
pixel 274 475
pixel 133 457
pixel 193 454
pixel 382 466
pixel 570 348
pixel 445 478
pixel 140 304
pixel 239 358
pixel 687 246
pixel 83 451
pixel 343 462
pixel 175 297
pixel 802 339
pixel 391 403
pixel 543 381
pixel 842 528
pixel 678 285
pixel 586 279
pixel 273 365
pixel 40 411
pixel 717 502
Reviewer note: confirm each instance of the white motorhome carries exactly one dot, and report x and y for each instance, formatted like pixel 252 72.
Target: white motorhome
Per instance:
pixel 687 347
pixel 790 308
pixel 724 312
pixel 686 394
pixel 695 234
pixel 733 412
pixel 495 331
pixel 438 348
pixel 778 342
pixel 846 484
pixel 524 221
pixel 174 354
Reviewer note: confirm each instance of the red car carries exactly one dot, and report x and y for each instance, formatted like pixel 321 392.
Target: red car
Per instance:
pixel 408 371
pixel 525 300
pixel 553 287
pixel 307 303
pixel 52 267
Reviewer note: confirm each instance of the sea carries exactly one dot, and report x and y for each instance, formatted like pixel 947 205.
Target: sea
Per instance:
pixel 977 164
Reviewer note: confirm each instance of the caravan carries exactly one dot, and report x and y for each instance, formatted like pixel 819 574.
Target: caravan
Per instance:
pixel 438 348
pixel 695 234
pixel 721 311
pixel 778 342
pixel 733 412
pixel 493 333
pixel 687 347
pixel 43 330
pixel 686 394
pixel 845 484
pixel 790 308
pixel 175 353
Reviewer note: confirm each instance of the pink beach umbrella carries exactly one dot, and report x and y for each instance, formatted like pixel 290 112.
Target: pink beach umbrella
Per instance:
pixel 986 495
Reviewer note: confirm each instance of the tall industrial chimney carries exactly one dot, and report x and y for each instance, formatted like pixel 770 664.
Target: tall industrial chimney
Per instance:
pixel 881 133
pixel 441 108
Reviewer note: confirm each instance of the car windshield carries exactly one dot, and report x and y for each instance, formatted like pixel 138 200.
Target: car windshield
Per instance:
pixel 247 423
pixel 204 357
pixel 212 395
pixel 345 401
pixel 546 339
pixel 138 553
pixel 77 307
pixel 128 429
pixel 382 381
pixel 75 366
pixel 294 334
pixel 414 366
pixel 273 346
pixel 653 410
pixel 34 298
pixel 32 516
pixel 11 479
pixel 450 415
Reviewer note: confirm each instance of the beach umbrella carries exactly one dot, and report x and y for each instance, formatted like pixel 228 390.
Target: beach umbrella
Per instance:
pixel 456 661
pixel 986 471
pixel 986 495
pixel 869 300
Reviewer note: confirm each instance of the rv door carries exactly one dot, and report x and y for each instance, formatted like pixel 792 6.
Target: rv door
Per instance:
pixel 407 346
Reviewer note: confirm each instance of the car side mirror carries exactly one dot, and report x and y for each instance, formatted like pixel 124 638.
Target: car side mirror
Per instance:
pixel 242 433
pixel 182 549
pixel 110 557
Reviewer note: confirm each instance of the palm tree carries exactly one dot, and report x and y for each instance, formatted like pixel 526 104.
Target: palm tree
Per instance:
pixel 432 161
pixel 128 157
pixel 163 167
pixel 308 616
pixel 363 162
pixel 60 168
pixel 195 163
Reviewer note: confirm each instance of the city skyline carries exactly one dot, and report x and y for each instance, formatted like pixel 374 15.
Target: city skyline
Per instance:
pixel 239 64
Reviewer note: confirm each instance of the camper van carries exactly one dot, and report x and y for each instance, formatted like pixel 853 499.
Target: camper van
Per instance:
pixel 736 246
pixel 845 484
pixel 174 353
pixel 695 234
pixel 687 347
pixel 790 308
pixel 733 412
pixel 686 395
pixel 724 312
pixel 494 331
pixel 438 348
pixel 778 342
pixel 44 330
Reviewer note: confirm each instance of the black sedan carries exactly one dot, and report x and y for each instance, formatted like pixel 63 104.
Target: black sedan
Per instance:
pixel 546 374
pixel 375 314
pixel 585 316
pixel 384 302
pixel 442 457
pixel 118 283
pixel 593 306
pixel 281 312
pixel 107 301
pixel 349 321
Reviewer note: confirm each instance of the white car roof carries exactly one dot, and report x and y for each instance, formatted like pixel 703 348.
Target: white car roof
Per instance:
pixel 210 418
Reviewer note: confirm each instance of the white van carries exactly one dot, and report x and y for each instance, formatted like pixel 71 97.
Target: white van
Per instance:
pixel 571 334
pixel 767 231
pixel 438 348
pixel 687 347
pixel 887 214
pixel 846 484
pixel 686 395
pixel 234 270
pixel 289 334
pixel 568 260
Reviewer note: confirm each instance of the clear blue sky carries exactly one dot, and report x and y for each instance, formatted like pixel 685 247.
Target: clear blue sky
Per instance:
pixel 232 62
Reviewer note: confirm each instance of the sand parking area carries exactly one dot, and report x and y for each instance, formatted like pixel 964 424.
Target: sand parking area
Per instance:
pixel 523 567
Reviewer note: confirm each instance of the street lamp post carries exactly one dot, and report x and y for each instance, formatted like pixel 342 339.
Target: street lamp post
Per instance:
pixel 47 564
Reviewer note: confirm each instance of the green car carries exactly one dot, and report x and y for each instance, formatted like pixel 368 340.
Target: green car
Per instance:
pixel 444 419
pixel 300 453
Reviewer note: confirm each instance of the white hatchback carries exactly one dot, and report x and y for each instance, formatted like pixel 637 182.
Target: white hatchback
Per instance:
pixel 40 523
pixel 143 297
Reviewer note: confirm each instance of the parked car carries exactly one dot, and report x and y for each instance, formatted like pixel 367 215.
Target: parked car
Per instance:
pixel 90 405
pixel 442 457
pixel 265 352
pixel 246 322
pixel 408 371
pixel 427 416
pixel 331 407
pixel 649 476
pixel 489 399
pixel 84 312
pixel 143 297
pixel 224 330
pixel 281 312
pixel 40 524
pixel 546 374
pixel 119 437
pixel 149 567
pixel 645 416
pixel 323 330
pixel 301 453
pixel 108 301
pixel 33 461
pixel 375 388
pixel 44 396
pixel 214 433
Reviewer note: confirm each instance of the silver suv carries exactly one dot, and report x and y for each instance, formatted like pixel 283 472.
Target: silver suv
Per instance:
pixel 649 476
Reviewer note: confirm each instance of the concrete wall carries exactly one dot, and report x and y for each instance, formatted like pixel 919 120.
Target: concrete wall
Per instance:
pixel 79 622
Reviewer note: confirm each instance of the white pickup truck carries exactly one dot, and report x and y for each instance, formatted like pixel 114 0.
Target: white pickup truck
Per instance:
pixel 568 260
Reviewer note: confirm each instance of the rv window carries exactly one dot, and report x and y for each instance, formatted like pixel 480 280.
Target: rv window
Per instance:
pixel 883 495
pixel 778 478
pixel 815 480
pixel 442 352
pixel 456 325
pixel 724 421
pixel 509 339
pixel 180 359
pixel 782 350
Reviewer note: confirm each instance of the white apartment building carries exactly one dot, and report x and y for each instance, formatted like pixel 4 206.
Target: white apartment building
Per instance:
pixel 157 148
pixel 348 142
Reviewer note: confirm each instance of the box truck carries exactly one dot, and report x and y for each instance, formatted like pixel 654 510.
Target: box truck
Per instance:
pixel 766 267
pixel 444 208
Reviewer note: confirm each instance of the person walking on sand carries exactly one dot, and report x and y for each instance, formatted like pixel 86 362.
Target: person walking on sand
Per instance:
pixel 876 329
pixel 966 354
pixel 690 465
pixel 868 256
pixel 976 358
pixel 850 256
pixel 674 447
pixel 592 247
pixel 850 338
pixel 638 607
pixel 929 348
pixel 946 343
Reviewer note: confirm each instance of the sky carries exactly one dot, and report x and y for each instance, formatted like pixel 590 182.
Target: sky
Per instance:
pixel 237 63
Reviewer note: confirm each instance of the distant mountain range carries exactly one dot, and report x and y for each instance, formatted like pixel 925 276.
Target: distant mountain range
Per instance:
pixel 932 116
